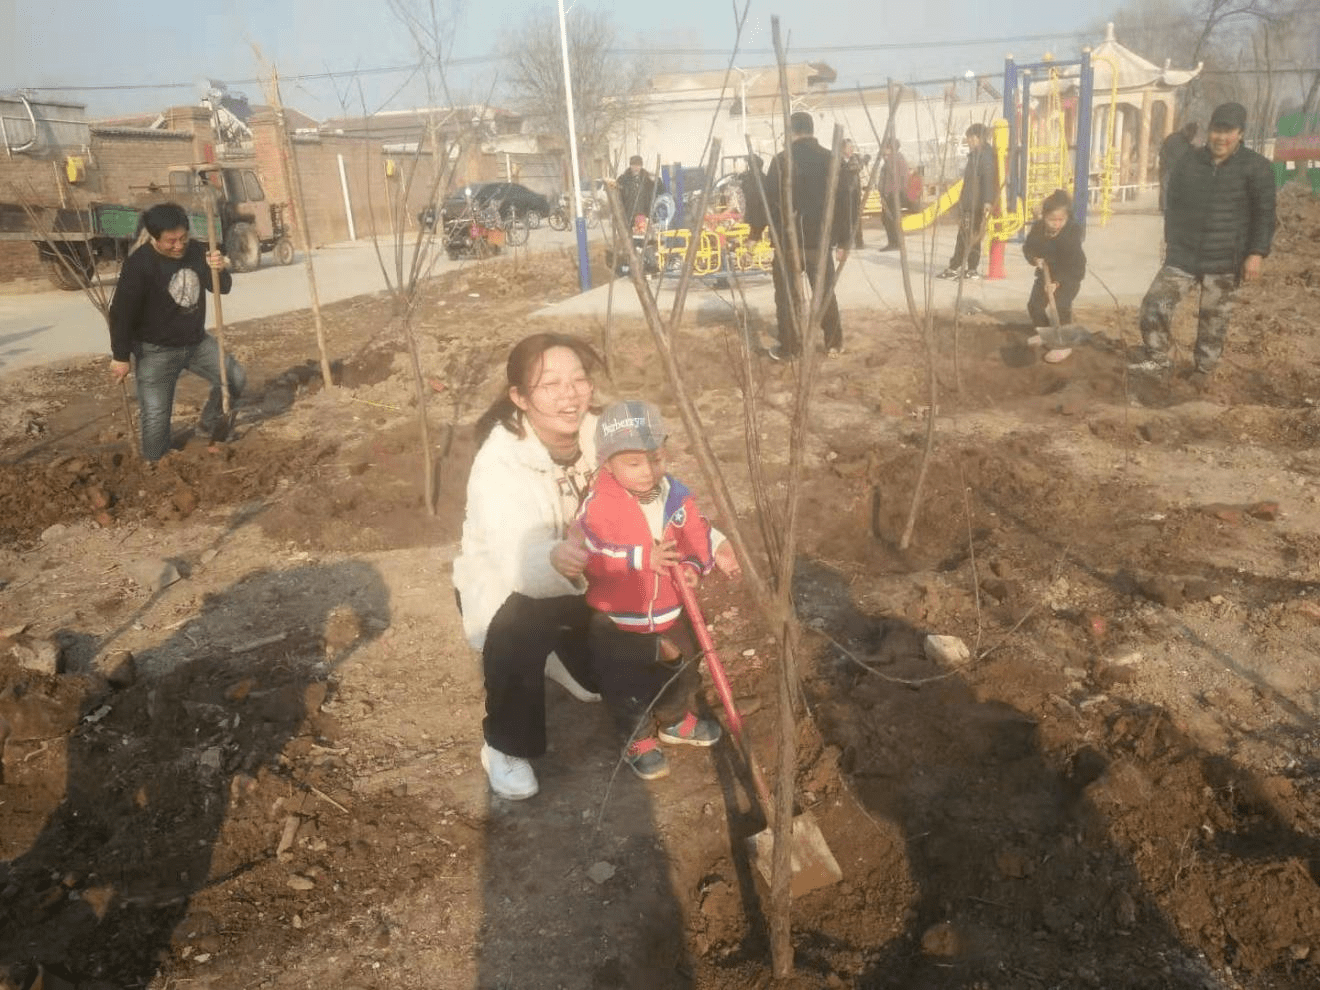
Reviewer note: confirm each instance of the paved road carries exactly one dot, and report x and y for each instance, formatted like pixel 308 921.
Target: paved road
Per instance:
pixel 40 327
pixel 1122 256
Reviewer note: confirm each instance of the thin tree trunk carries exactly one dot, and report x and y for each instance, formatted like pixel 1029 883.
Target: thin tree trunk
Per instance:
pixel 424 428
pixel 294 182
pixel 932 393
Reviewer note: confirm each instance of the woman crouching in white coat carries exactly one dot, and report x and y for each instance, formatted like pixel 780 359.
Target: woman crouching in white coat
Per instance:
pixel 519 573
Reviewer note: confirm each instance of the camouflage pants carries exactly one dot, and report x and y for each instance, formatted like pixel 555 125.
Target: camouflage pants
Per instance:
pixel 1162 298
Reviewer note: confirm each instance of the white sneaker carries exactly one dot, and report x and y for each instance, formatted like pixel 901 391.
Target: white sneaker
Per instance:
pixel 510 776
pixel 557 672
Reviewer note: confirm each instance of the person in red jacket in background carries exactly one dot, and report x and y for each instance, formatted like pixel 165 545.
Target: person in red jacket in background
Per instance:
pixel 642 529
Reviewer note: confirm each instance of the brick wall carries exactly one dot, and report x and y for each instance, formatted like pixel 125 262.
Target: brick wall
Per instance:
pixel 127 163
pixel 372 193
pixel 120 164
pixel 39 181
pixel 123 162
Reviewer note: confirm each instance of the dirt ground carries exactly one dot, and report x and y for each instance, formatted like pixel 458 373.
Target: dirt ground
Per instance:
pixel 241 725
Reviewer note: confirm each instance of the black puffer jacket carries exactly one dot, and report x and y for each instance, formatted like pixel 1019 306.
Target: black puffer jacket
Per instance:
pixel 755 213
pixel 637 193
pixel 979 187
pixel 1218 214
pixel 1063 252
pixel 811 173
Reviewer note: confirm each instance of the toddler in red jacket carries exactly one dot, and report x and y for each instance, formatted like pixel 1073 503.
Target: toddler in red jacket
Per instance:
pixel 642 527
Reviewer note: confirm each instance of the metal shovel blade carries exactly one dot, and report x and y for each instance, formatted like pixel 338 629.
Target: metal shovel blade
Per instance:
pixel 814 866
pixel 1058 338
pixel 224 427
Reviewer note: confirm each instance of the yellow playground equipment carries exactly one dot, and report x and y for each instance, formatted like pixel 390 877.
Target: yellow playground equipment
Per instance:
pixel 919 220
pixel 1109 163
pixel 728 248
pixel 1049 165
pixel 745 254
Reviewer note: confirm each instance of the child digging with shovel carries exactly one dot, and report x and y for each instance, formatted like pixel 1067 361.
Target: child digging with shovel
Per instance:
pixel 1054 247
pixel 642 527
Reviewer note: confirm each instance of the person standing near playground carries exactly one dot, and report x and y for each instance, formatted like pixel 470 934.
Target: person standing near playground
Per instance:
pixel 894 179
pixel 643 531
pixel 851 169
pixel 752 182
pixel 158 320
pixel 811 173
pixel 1172 150
pixel 1055 242
pixel 1218 227
pixel 637 189
pixel 978 194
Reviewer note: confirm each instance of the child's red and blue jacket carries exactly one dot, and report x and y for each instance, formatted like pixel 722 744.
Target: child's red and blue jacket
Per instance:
pixel 620 581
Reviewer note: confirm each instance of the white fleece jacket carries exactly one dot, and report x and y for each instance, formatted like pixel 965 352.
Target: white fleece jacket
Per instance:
pixel 514 519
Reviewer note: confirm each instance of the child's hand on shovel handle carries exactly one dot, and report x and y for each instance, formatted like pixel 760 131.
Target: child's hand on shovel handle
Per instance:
pixel 664 556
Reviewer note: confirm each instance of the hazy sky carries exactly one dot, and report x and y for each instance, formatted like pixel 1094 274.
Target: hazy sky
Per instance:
pixel 118 43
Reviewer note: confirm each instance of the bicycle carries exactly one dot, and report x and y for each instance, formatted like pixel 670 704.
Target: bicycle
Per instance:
pixel 591 212
pixel 517 229
pixel 560 218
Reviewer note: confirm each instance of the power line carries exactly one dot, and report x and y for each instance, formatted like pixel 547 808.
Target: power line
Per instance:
pixel 414 67
pixel 1257 72
pixel 860 49
pixel 302 77
pixel 627 52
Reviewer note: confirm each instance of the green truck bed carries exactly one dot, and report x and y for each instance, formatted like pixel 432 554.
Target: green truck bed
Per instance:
pixel 99 220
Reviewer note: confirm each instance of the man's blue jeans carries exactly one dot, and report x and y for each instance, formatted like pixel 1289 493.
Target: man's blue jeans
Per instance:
pixel 158 369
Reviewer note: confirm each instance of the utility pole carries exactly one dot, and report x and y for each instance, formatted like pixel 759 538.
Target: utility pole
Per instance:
pixel 580 223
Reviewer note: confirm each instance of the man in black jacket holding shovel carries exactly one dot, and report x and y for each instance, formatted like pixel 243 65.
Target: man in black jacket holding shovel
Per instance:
pixel 1218 224
pixel 158 320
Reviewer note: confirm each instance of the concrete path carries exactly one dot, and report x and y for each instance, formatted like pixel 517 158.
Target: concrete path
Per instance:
pixel 39 327
pixel 44 326
pixel 1123 255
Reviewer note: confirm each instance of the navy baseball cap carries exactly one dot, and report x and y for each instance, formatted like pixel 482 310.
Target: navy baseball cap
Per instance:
pixel 629 425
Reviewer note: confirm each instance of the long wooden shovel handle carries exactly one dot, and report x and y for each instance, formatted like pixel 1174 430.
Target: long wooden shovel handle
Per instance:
pixel 128 417
pixel 1050 307
pixel 725 692
pixel 219 307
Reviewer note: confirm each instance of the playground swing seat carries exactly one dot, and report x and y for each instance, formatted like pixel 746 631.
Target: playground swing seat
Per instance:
pixel 710 256
pixel 671 247
pixel 744 253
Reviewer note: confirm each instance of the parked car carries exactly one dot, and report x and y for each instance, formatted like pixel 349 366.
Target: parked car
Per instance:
pixel 512 198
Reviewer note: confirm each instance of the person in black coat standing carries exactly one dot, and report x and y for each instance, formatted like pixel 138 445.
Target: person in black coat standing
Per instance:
pixel 1218 225
pixel 811 170
pixel 752 181
pixel 978 195
pixel 637 191
pixel 851 170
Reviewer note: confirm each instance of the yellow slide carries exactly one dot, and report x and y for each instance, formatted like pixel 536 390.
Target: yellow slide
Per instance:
pixel 937 209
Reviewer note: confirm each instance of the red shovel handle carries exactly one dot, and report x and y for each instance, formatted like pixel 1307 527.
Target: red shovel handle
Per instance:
pixel 708 648
pixel 717 675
